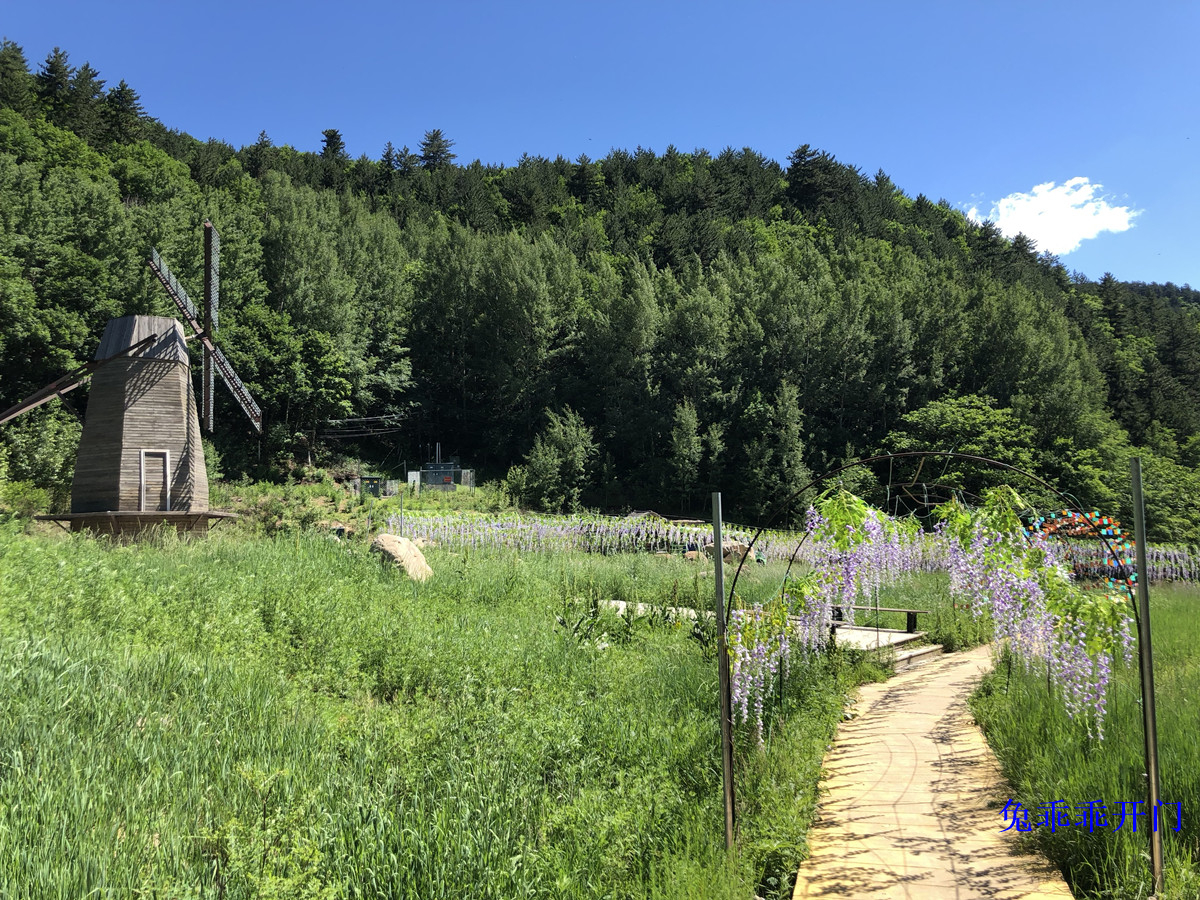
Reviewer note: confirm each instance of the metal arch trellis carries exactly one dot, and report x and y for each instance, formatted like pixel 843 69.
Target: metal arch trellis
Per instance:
pixel 1070 502
pixel 1140 608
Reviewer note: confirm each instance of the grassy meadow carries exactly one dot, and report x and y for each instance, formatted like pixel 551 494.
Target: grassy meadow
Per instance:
pixel 272 712
pixel 258 716
pixel 1047 757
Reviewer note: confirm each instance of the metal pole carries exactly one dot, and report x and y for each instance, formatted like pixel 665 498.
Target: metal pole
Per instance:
pixel 723 672
pixel 1146 667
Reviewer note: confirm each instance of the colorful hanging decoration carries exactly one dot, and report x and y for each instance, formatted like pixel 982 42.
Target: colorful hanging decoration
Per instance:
pixel 1111 560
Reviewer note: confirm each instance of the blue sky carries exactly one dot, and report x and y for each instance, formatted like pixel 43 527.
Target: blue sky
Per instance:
pixel 1076 122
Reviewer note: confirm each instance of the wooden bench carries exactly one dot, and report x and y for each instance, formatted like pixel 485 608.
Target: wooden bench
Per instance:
pixel 910 615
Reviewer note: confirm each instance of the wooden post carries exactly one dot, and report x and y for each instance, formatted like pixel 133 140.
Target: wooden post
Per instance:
pixel 1146 668
pixel 723 671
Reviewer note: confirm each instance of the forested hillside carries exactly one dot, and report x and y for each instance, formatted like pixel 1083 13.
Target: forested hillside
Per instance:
pixel 634 330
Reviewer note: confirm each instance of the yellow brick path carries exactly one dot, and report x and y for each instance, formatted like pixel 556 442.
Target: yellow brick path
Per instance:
pixel 912 797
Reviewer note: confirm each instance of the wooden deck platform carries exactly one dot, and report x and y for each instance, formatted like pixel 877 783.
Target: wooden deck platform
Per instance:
pixel 129 524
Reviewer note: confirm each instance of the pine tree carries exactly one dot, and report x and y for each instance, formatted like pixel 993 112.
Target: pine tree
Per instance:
pixel 122 115
pixel 435 150
pixel 587 181
pixel 54 86
pixel 333 148
pixel 334 159
pixel 406 161
pixel 258 157
pixel 16 84
pixel 86 98
pixel 389 159
pixel 388 164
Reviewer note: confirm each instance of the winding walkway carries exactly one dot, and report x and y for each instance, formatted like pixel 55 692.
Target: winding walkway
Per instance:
pixel 912 800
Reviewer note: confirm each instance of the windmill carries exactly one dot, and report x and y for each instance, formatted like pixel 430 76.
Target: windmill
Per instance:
pixel 140 460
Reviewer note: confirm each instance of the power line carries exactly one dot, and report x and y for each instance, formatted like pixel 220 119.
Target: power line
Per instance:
pixel 340 435
pixel 394 417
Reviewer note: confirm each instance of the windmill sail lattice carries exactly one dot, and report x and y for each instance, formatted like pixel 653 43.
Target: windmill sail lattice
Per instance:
pixel 212 293
pixel 218 361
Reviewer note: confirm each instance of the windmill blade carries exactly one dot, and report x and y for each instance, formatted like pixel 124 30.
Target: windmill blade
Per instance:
pixel 206 398
pixel 212 292
pixel 235 385
pixel 188 309
pixel 212 275
pixel 175 290
pixel 71 380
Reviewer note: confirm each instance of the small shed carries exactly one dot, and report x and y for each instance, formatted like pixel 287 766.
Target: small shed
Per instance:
pixel 445 476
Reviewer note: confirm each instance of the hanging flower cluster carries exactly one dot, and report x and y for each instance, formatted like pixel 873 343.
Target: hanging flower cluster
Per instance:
pixel 853 552
pixel 760 644
pixel 1025 584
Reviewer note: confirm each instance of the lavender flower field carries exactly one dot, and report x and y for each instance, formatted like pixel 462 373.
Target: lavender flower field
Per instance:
pixel 533 533
pixel 537 533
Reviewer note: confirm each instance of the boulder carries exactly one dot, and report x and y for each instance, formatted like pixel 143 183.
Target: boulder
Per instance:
pixel 735 551
pixel 731 551
pixel 405 554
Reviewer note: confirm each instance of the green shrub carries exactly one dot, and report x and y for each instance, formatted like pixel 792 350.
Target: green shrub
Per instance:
pixel 23 498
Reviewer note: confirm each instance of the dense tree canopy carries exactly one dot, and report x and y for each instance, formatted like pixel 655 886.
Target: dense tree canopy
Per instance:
pixel 632 331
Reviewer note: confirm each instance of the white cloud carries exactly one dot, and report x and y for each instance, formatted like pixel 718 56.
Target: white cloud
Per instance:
pixel 1059 217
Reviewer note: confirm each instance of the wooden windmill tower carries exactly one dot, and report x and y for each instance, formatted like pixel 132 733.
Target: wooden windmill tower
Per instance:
pixel 140 459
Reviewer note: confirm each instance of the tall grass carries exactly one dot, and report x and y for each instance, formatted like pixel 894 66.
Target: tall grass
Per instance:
pixel 287 717
pixel 1047 757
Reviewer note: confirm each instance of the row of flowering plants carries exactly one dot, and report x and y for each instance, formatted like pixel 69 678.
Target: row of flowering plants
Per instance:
pixel 1017 578
pixel 532 533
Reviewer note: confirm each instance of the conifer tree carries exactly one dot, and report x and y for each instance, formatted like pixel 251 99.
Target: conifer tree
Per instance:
pixel 259 155
pixel 54 86
pixel 85 101
pixel 333 148
pixel 389 159
pixel 334 159
pixel 16 84
pixel 406 161
pixel 123 115
pixel 435 150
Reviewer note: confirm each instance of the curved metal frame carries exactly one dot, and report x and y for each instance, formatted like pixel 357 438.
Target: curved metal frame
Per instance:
pixel 1067 499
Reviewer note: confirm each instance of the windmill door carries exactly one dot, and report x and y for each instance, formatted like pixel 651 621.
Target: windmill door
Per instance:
pixel 155 491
